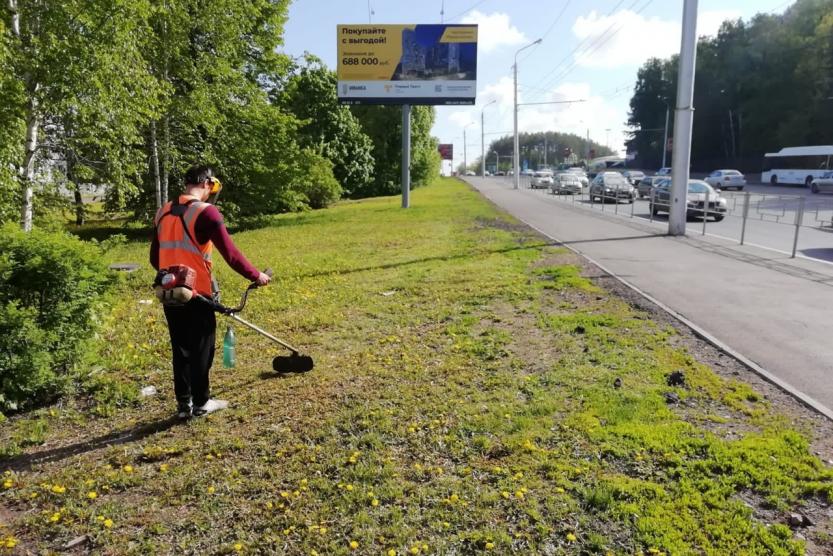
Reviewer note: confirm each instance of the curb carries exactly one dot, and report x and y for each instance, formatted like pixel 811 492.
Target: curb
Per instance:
pixel 703 334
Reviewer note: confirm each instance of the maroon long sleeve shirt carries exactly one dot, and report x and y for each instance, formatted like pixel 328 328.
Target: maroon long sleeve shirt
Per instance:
pixel 210 227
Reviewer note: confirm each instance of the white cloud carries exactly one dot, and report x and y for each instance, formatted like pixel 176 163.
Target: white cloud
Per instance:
pixel 627 38
pixel 708 23
pixel 494 30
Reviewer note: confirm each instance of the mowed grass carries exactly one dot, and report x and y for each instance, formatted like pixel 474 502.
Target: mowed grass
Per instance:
pixel 463 402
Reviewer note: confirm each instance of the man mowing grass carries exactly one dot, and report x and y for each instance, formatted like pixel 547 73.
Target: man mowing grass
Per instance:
pixel 186 232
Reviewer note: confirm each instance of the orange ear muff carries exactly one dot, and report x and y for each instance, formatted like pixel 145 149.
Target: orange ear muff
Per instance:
pixel 216 186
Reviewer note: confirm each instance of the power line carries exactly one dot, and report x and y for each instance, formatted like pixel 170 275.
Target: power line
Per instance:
pixel 467 11
pixel 567 57
pixel 549 29
pixel 596 45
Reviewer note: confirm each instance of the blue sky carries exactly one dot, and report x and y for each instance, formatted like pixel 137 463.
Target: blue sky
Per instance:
pixel 591 51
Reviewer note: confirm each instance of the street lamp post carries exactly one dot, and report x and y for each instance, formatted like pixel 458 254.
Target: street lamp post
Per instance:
pixel 515 160
pixel 483 140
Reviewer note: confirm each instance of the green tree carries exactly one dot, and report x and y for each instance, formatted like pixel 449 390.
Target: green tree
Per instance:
pixel 71 61
pixel 383 124
pixel 327 127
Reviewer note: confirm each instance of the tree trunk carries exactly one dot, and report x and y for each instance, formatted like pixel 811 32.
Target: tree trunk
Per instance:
pixel 80 214
pixel 166 158
pixel 154 164
pixel 28 170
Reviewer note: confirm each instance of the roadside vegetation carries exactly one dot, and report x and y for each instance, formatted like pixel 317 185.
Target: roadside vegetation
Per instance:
pixel 474 392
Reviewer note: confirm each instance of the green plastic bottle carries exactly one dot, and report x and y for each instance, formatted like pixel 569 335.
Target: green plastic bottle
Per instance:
pixel 228 348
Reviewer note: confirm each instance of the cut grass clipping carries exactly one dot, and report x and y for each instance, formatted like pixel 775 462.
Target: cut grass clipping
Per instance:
pixel 463 401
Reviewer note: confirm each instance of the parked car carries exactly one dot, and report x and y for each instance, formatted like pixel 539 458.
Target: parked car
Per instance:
pixel 541 180
pixel 470 173
pixel 634 176
pixel 611 185
pixel 698 190
pixel 582 176
pixel 726 179
pixel 566 182
pixel 528 172
pixel 824 183
pixel 647 185
pixel 664 172
pixel 500 173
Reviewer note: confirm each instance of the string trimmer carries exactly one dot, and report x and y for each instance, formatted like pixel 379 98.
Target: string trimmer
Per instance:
pixel 295 362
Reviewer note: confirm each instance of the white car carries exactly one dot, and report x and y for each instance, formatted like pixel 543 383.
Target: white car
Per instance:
pixel 470 173
pixel 824 183
pixel 634 176
pixel 582 176
pixel 726 179
pixel 541 179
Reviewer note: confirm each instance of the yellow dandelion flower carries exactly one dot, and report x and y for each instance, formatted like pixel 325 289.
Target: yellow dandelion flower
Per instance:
pixel 304 482
pixel 391 552
pixel 296 493
pixel 559 490
pixel 313 553
pixel 322 530
pixel 519 475
pixel 286 531
pixel 11 542
pixel 446 524
pixel 163 467
pixel 490 545
pixel 425 548
pixel 211 490
pixel 571 537
pixel 238 547
pixel 414 550
pixel 269 505
pixel 519 494
pixel 100 518
pixel 411 429
pixel 284 494
pixel 453 498
pixel 374 502
pixel 349 487
pixel 58 489
pixel 92 495
pixel 108 523
pixel 128 469
pixel 8 483
pixel 354 545
pixel 505 494
pixel 653 550
pixel 55 518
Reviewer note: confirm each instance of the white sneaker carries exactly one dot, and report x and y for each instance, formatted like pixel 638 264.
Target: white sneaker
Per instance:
pixel 210 406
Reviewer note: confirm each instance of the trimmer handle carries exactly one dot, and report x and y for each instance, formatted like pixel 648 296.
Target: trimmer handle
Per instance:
pixel 220 308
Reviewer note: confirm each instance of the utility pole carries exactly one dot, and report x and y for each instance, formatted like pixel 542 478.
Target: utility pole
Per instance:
pixel 683 120
pixel 483 141
pixel 465 145
pixel 516 154
pixel 545 149
pixel 665 137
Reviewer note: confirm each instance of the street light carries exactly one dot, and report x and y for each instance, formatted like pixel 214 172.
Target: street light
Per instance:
pixel 465 162
pixel 483 141
pixel 515 155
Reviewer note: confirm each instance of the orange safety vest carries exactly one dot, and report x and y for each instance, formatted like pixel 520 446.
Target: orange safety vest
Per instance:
pixel 176 231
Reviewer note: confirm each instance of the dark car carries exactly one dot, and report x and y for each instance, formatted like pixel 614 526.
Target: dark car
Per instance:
pixel 647 185
pixel 611 186
pixel 698 192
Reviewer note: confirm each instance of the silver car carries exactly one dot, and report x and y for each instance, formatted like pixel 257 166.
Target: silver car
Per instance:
pixel 611 186
pixel 582 176
pixel 541 180
pixel 698 192
pixel 647 184
pixel 726 179
pixel 567 183
pixel 634 176
pixel 824 183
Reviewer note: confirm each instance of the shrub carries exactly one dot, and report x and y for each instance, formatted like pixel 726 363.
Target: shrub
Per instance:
pixel 50 287
pixel 317 182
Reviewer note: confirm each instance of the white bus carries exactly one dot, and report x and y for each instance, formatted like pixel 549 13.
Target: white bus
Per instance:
pixel 797 165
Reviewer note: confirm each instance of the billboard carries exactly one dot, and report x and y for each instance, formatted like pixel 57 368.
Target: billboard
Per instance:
pixel 446 151
pixel 407 64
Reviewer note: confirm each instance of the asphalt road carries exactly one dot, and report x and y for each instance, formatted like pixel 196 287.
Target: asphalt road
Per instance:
pixel 770 221
pixel 771 309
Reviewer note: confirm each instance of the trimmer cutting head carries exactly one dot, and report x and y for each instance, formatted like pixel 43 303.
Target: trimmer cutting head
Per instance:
pixel 294 363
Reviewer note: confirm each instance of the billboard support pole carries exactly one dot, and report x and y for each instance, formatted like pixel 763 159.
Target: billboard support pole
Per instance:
pixel 406 155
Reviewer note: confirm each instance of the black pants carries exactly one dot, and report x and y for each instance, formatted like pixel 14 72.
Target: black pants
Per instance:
pixel 193 330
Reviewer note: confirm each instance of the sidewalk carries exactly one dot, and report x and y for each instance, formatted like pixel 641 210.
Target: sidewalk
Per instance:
pixel 773 310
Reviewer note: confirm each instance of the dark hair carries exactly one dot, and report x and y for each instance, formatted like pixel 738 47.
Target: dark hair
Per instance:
pixel 197 174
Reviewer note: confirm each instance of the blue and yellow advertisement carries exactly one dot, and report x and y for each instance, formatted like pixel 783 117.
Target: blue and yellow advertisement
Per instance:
pixel 407 64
